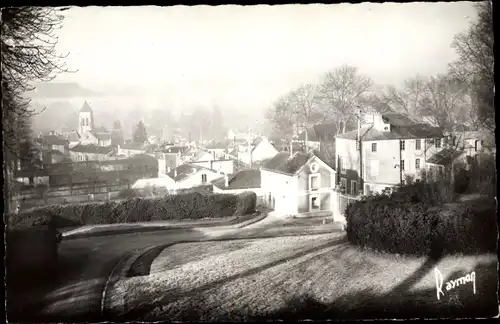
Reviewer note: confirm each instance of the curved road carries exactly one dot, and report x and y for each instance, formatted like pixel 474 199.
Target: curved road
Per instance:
pixel 85 265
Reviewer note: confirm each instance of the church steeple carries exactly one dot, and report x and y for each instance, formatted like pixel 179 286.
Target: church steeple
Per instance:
pixel 85 119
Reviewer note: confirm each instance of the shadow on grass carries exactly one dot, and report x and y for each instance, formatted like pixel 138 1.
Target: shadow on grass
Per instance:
pixel 142 266
pixel 399 303
pixel 141 310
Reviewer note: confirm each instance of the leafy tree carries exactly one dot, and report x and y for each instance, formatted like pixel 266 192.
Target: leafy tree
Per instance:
pixel 140 134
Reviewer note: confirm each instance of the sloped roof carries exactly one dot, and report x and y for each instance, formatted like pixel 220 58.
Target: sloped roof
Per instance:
pixel 244 179
pixel 102 136
pixel 319 132
pixel 284 164
pixel 184 171
pixel 217 145
pixel 397 119
pixel 85 107
pixel 404 132
pixel 175 149
pixel 92 149
pixel 444 157
pixel 54 140
pixel 73 137
pixel 132 146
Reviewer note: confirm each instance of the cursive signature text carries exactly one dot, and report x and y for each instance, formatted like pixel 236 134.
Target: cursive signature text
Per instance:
pixel 452 284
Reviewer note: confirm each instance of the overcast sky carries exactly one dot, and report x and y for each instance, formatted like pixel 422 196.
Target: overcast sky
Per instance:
pixel 245 57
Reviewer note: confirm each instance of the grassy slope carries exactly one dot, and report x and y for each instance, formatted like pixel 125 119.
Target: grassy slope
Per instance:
pixel 243 279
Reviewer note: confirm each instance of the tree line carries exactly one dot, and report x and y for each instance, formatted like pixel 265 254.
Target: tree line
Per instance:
pixel 462 96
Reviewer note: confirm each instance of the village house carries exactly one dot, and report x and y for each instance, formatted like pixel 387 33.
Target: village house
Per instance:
pixel 392 147
pixel 218 149
pixel 53 148
pixel 225 166
pixel 318 135
pixel 302 184
pixel 242 181
pixel 189 176
pixel 73 138
pixel 260 149
pixel 92 153
pixel 130 149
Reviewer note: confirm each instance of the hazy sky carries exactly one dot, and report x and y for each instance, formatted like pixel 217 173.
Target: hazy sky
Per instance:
pixel 244 57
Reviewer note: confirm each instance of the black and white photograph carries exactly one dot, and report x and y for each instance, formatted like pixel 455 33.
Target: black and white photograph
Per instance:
pixel 213 163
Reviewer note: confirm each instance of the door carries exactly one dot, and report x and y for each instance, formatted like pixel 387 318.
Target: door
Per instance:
pixel 314 203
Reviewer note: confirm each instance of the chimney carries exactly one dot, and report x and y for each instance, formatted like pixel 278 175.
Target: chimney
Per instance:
pixel 226 181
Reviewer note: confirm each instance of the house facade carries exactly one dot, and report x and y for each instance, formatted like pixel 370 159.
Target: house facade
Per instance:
pixel 261 149
pixel 81 153
pixel 242 181
pixel 302 184
pixel 392 148
pixel 189 176
pixel 130 149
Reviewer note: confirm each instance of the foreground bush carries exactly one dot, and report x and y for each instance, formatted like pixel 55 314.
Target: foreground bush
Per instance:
pixel 193 205
pixel 406 222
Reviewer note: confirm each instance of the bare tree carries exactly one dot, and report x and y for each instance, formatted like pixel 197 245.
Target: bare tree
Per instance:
pixel 445 100
pixel 304 104
pixel 342 90
pixel 407 99
pixel 282 118
pixel 475 64
pixel 28 56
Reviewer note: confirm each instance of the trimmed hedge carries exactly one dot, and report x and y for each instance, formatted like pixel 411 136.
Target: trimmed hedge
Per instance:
pixel 405 222
pixel 193 205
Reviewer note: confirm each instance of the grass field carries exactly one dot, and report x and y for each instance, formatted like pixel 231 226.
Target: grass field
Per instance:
pixel 319 276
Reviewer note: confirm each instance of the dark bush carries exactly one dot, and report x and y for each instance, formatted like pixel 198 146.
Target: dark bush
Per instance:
pixel 128 193
pixel 194 205
pixel 462 181
pixel 406 222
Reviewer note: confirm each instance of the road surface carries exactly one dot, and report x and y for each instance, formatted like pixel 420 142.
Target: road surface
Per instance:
pixel 85 265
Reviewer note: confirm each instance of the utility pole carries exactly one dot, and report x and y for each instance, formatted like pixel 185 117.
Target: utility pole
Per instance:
pixel 360 176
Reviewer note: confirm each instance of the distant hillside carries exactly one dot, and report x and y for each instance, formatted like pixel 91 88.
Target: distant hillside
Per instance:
pixel 62 90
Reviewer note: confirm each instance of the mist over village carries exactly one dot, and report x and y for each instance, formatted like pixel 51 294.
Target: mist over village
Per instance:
pixel 249 163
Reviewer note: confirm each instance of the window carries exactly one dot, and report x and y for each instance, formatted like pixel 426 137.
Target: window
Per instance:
pixel 314 182
pixel 354 188
pixel 476 145
pixel 402 165
pixel 454 141
pixel 203 178
pixel 315 203
pixel 374 168
pixel 402 145
pixel 417 164
pixel 341 165
pixel 438 142
pixel 343 183
pixel 374 147
pixel 418 144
